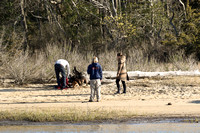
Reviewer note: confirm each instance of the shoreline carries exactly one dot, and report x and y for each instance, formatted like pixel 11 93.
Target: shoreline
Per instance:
pixel 134 120
pixel 84 112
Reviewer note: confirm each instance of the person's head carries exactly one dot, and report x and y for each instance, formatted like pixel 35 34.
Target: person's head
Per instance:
pixel 119 55
pixel 95 59
pixel 123 58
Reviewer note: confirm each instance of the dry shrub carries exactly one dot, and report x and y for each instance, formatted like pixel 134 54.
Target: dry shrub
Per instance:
pixel 21 67
pixel 39 67
pixel 108 60
pixel 54 52
pixel 180 61
pixel 137 61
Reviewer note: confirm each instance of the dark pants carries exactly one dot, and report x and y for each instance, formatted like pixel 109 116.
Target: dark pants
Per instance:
pixel 60 69
pixel 118 86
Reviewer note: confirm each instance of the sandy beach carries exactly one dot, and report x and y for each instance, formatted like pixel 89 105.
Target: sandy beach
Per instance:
pixel 167 96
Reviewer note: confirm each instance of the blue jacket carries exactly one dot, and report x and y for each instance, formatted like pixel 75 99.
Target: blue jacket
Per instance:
pixel 95 71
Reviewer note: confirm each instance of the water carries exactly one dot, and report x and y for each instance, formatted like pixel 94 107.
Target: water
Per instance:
pixel 106 128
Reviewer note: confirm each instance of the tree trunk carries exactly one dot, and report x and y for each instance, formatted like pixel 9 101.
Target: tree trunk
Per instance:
pixel 167 7
pixel 114 8
pixel 102 14
pixel 152 37
pixel 24 24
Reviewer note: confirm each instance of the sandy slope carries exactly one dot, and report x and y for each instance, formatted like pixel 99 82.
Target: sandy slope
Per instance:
pixel 148 96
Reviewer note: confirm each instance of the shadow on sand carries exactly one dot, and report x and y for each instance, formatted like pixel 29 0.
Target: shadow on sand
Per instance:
pixel 195 101
pixel 46 102
pixel 32 88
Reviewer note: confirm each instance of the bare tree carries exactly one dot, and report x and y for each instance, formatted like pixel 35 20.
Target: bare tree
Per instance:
pixel 24 23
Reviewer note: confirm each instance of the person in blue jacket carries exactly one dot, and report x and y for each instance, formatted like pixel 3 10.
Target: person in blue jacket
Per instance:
pixel 95 72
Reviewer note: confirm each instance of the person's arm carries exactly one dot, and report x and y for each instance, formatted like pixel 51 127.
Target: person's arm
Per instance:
pixel 88 70
pixel 120 69
pixel 100 71
pixel 68 70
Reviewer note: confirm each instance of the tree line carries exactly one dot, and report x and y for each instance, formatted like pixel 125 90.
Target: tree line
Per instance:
pixel 158 27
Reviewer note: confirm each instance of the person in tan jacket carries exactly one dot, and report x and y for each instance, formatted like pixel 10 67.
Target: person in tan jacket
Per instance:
pixel 121 72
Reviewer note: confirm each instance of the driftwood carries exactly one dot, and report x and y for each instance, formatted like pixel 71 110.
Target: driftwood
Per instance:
pixel 139 74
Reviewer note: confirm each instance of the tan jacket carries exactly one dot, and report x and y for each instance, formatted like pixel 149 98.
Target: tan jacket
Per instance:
pixel 122 72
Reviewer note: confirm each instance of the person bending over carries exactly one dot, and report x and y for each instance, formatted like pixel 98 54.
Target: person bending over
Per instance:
pixel 60 66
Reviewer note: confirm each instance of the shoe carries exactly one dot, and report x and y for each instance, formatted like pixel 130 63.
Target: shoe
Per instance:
pixel 64 88
pixel 58 87
pixel 117 92
pixel 98 100
pixel 124 92
pixel 90 100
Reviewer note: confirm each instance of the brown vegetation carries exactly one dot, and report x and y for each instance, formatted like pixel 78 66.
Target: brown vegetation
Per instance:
pixel 24 67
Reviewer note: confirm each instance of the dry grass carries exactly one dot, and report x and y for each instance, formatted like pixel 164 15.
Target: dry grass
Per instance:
pixel 26 68
pixel 65 115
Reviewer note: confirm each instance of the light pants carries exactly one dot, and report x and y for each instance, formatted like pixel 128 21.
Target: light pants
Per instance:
pixel 95 86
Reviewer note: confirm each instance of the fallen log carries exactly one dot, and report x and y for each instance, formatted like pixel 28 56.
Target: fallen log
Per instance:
pixel 139 75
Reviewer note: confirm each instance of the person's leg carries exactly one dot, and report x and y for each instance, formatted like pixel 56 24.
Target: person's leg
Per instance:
pixel 92 88
pixel 62 69
pixel 98 90
pixel 57 71
pixel 118 86
pixel 124 86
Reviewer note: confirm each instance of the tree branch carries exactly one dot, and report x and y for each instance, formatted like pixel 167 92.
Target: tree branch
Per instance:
pixel 173 24
pixel 183 7
pixel 39 17
pixel 101 6
pixel 54 17
pixel 77 11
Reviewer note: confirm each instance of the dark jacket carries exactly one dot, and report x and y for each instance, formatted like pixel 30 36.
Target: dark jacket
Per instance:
pixel 95 71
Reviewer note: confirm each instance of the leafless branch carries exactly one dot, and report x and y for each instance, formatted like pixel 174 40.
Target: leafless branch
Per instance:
pixel 77 10
pixel 173 24
pixel 2 36
pixel 99 5
pixel 39 17
pixel 48 6
pixel 183 7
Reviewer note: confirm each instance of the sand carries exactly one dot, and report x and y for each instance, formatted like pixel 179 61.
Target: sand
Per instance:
pixel 171 96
